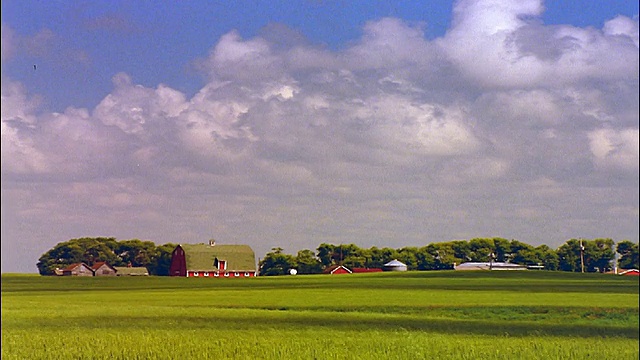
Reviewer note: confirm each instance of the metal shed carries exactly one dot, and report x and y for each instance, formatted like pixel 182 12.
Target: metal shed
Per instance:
pixel 395 265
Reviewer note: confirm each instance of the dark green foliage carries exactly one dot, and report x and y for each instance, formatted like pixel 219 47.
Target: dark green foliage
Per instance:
pixel 161 260
pixel 628 255
pixel 588 255
pixel 117 253
pixel 276 263
pixel 308 263
pixel 598 255
pixel 87 250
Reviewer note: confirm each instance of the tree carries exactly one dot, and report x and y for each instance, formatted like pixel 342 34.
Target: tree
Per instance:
pixel 628 255
pixel 409 256
pixel 481 249
pixel 161 260
pixel 548 257
pixel 599 255
pixel 376 257
pixel 276 263
pixel 596 255
pixel 135 252
pixel 308 263
pixel 325 253
pixel 87 250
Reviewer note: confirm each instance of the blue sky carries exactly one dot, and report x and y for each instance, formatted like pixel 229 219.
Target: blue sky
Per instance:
pixel 158 41
pixel 294 123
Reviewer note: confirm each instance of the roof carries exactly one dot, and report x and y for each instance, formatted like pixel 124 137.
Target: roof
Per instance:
pixel 201 257
pixel 630 272
pixel 395 263
pixel 334 268
pixel 97 265
pixel 488 265
pixel 366 270
pixel 74 266
pixel 124 270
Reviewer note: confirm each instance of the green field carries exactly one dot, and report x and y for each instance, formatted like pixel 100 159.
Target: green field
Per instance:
pixel 413 315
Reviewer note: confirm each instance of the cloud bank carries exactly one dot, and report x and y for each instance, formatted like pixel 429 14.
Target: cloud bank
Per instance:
pixel 504 126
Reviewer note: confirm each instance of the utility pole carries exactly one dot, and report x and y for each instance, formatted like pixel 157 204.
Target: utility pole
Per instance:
pixel 581 256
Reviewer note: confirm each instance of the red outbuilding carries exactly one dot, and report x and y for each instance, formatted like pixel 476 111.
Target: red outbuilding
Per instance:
pixel 336 270
pixel 630 272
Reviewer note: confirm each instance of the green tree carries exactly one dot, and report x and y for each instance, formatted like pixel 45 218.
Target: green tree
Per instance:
pixel 569 256
pixel 308 263
pixel 325 254
pixel 599 255
pixel 481 249
pixel 548 257
pixel 502 249
pixel 136 252
pixel 161 260
pixel 409 256
pixel 628 255
pixel 87 250
pixel 276 263
pixel 377 257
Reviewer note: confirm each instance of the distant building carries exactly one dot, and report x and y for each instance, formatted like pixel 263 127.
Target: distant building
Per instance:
pixel 77 269
pixel 103 269
pixel 489 266
pixel 131 271
pixel 630 272
pixel 337 270
pixel 214 261
pixel 395 265
pixel 365 270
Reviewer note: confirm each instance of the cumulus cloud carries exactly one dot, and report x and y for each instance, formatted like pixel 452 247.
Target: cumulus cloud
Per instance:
pixel 388 137
pixel 499 43
pixel 615 148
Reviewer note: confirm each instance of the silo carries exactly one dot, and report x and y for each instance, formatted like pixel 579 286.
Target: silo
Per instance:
pixel 394 265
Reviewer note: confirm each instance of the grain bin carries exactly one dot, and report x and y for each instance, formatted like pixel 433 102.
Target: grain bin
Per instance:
pixel 394 265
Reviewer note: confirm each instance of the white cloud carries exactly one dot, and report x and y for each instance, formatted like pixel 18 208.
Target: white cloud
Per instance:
pixel 393 138
pixel 615 148
pixel 493 44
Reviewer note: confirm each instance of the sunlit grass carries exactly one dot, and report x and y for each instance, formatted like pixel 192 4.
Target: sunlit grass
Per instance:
pixel 402 316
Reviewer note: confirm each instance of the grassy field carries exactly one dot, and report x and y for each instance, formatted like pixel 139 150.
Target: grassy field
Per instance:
pixel 414 315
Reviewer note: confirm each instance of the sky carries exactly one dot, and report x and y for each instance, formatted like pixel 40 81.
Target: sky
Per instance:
pixel 295 123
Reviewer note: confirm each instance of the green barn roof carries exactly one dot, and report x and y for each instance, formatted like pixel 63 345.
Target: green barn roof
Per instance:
pixel 201 257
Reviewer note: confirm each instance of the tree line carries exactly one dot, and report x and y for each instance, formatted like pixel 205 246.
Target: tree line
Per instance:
pixel 595 255
pixel 134 252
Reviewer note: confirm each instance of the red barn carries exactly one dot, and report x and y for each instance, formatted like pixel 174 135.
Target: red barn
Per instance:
pixel 214 261
pixel 336 270
pixel 630 272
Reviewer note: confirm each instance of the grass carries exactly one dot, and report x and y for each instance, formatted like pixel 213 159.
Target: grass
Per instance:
pixel 441 315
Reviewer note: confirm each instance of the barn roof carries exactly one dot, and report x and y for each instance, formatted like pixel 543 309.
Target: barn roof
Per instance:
pixel 333 268
pixel 201 257
pixel 395 262
pixel 131 271
pixel 97 265
pixel 76 265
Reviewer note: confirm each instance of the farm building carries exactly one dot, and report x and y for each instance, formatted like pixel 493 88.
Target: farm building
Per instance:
pixel 131 271
pixel 488 266
pixel 77 269
pixel 336 270
pixel 630 272
pixel 103 269
pixel 365 270
pixel 211 260
pixel 395 265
